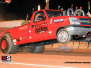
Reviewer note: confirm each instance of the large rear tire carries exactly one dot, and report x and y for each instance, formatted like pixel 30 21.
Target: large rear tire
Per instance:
pixel 38 49
pixel 7 45
pixel 63 36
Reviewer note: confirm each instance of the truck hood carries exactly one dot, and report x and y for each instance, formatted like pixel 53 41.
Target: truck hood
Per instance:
pixel 66 17
pixel 83 20
pixel 81 17
pixel 65 20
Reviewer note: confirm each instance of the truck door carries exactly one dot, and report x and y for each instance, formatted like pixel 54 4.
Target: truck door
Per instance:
pixel 39 28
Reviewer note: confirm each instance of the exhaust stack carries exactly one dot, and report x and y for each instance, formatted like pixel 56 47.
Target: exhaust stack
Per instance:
pixel 39 7
pixel 47 4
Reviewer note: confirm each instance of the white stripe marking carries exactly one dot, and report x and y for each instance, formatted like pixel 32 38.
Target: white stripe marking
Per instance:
pixel 40 65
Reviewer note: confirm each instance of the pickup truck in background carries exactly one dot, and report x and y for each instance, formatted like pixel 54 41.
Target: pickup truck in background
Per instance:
pixel 47 27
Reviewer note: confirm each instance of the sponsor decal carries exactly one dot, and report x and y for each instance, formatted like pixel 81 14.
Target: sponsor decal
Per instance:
pixel 61 20
pixel 41 27
pixel 24 37
pixel 30 37
pixel 24 27
pixel 29 31
pixel 41 31
pixel 58 20
pixel 51 21
pixel 20 38
pixel 50 32
pixel 14 41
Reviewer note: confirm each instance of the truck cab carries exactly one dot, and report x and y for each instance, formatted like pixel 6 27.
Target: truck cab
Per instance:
pixel 40 28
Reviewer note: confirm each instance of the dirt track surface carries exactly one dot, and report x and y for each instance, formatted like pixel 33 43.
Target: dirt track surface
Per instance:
pixel 49 59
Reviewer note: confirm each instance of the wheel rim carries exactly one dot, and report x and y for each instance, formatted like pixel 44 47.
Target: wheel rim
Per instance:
pixel 4 44
pixel 63 36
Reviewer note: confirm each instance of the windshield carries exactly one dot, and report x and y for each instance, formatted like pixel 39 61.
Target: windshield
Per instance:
pixel 54 13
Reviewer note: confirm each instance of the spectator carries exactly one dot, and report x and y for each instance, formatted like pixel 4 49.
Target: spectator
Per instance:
pixel 89 14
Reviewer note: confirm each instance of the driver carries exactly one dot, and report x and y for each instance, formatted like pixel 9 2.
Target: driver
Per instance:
pixel 36 17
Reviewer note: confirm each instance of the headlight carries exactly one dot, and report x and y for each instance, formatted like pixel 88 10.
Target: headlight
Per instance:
pixel 74 21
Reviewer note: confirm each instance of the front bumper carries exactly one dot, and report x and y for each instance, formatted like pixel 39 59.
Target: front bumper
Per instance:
pixel 78 30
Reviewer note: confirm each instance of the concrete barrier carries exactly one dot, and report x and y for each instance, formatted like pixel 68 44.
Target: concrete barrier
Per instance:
pixel 10 24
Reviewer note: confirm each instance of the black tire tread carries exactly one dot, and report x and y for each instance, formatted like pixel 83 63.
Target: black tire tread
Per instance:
pixel 38 49
pixel 13 48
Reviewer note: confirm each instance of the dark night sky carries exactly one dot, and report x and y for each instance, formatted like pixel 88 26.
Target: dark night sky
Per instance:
pixel 20 8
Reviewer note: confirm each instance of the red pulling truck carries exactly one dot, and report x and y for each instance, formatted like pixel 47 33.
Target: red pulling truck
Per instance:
pixel 47 27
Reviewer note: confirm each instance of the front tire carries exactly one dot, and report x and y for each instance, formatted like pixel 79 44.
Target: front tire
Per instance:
pixel 7 45
pixel 63 36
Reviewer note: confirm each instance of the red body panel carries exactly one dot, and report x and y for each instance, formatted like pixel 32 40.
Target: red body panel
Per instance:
pixel 19 33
